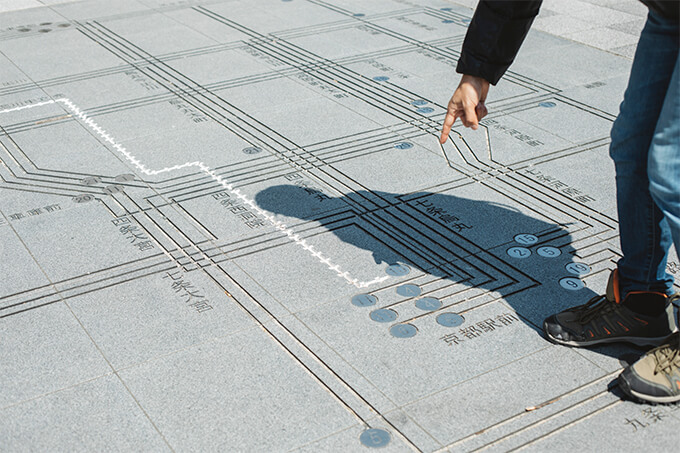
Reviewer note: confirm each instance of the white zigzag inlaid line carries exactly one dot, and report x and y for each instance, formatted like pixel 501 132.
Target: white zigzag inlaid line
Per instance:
pixel 280 226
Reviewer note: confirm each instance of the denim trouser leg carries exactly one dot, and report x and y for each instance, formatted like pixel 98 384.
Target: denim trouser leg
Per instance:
pixel 645 234
pixel 664 158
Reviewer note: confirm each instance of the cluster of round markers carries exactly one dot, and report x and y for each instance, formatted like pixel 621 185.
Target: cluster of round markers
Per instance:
pixel 388 315
pixel 109 190
pixel 523 251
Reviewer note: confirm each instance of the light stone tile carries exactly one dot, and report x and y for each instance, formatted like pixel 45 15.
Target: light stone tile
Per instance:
pixel 187 308
pixel 401 368
pixel 94 416
pixel 70 248
pixel 603 38
pixel 43 351
pixel 560 25
pixel 501 393
pixel 58 54
pixel 24 273
pixel 629 427
pixel 242 393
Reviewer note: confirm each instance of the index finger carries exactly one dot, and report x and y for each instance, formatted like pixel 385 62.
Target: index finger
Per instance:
pixel 448 124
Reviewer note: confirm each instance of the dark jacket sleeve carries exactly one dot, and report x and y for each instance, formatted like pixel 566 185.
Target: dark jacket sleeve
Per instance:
pixel 494 37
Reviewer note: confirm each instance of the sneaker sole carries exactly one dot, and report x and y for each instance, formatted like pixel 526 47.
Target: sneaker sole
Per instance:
pixel 644 398
pixel 638 341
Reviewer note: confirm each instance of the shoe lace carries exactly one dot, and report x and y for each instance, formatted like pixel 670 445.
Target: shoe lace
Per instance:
pixel 595 307
pixel 668 355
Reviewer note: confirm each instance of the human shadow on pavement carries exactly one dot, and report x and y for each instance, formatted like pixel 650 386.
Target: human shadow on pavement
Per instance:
pixel 483 223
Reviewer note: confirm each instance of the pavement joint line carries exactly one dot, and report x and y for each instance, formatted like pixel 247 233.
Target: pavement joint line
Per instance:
pixel 217 178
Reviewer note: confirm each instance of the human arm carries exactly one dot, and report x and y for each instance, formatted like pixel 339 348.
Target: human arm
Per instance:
pixel 493 39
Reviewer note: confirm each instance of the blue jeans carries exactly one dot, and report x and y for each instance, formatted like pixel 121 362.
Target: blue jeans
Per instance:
pixel 645 148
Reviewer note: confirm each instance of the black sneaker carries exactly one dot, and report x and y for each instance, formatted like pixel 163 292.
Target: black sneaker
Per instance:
pixel 604 319
pixel 655 378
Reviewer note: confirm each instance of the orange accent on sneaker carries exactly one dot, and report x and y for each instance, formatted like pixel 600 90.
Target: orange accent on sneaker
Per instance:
pixel 615 284
pixel 605 329
pixel 641 320
pixel 590 332
pixel 626 328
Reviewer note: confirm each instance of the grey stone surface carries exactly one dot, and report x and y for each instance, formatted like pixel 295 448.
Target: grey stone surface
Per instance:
pixel 203 397
pixel 96 415
pixel 187 309
pixel 216 306
pixel 51 353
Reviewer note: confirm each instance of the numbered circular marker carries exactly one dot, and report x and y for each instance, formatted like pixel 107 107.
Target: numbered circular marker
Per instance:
pixel 526 239
pixel 549 252
pixel 519 252
pixel 450 320
pixel 375 438
pixel 364 300
pixel 83 198
pixel 572 284
pixel 252 150
pixel 397 270
pixel 409 290
pixel 578 268
pixel 383 315
pixel 425 110
pixel 90 181
pixel 110 190
pixel 381 78
pixel 547 104
pixel 403 331
pixel 428 304
pixel 127 177
pixel 419 102
pixel 404 145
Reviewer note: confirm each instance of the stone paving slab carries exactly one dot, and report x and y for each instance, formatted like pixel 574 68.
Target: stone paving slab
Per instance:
pixel 228 226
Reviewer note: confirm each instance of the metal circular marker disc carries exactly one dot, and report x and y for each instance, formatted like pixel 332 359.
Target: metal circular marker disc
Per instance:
pixel 364 300
pixel 24 30
pixel 578 268
pixel 526 239
pixel 425 110
pixel 409 290
pixel 519 252
pixel 383 315
pixel 403 331
pixel 450 319
pixel 547 104
pixel 419 102
pixel 252 150
pixel 375 438
pixel 91 181
pixel 397 270
pixel 83 198
pixel 45 30
pixel 448 21
pixel 404 145
pixel 64 25
pixel 127 177
pixel 381 78
pixel 549 252
pixel 358 14
pixel 428 304
pixel 572 284
pixel 113 189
